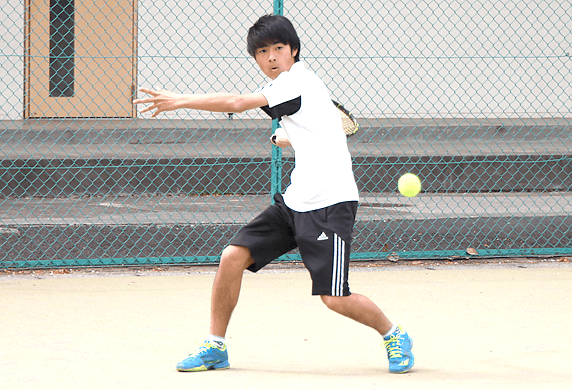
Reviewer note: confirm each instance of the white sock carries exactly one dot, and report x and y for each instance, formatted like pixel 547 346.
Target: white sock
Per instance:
pixel 393 329
pixel 216 340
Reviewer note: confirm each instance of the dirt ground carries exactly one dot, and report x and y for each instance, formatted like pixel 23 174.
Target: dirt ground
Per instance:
pixel 495 324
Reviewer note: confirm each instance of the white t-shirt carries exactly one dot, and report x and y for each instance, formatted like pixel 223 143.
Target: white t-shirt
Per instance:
pixel 323 173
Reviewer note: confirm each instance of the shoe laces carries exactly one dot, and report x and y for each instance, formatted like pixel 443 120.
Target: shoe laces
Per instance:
pixel 393 346
pixel 202 350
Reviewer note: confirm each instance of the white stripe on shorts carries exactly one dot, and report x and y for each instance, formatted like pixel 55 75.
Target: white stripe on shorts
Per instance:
pixel 338 267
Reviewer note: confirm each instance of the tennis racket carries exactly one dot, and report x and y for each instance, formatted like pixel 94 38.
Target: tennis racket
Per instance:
pixel 349 123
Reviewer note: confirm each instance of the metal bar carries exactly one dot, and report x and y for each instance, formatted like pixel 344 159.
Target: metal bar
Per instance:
pixel 276 163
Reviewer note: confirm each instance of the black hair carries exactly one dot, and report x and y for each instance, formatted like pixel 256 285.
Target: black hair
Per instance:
pixel 271 29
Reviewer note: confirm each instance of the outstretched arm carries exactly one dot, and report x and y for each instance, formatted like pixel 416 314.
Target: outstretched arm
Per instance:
pixel 162 101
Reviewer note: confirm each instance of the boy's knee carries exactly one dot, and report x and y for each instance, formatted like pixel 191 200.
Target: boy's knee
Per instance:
pixel 332 303
pixel 237 256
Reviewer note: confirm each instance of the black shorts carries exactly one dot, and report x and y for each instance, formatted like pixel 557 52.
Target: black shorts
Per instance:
pixel 323 237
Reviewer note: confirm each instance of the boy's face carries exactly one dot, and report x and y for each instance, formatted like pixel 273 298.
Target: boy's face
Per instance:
pixel 275 59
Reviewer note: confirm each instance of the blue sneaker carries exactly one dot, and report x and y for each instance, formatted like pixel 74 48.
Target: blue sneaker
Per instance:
pixel 398 345
pixel 207 357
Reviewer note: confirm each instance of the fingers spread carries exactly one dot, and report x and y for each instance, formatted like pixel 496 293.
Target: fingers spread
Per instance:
pixel 143 101
pixel 158 101
pixel 148 91
pixel 145 109
pixel 146 100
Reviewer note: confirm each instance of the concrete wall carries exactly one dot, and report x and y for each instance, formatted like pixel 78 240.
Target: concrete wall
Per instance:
pixel 429 58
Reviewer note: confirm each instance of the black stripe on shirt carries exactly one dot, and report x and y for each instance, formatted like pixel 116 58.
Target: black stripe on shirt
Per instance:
pixel 287 108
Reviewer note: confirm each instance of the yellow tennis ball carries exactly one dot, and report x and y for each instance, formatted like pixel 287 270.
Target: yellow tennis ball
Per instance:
pixel 409 185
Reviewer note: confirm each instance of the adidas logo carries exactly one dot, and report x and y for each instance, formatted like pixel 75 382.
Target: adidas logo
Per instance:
pixel 404 363
pixel 322 237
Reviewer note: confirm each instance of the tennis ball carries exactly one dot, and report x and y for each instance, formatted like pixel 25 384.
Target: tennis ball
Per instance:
pixel 409 185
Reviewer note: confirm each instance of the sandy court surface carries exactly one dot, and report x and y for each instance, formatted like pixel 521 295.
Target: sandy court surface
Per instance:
pixel 473 328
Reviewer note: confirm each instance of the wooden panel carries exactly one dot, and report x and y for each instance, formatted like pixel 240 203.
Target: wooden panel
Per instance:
pixel 104 61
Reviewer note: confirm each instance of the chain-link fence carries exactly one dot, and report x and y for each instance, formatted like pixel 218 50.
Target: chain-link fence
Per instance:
pixel 473 96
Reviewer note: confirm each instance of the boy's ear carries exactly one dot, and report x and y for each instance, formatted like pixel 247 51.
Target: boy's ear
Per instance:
pixel 294 52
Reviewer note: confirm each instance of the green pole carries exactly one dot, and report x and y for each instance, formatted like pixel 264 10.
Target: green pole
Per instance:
pixel 276 162
pixel 276 166
pixel 278 7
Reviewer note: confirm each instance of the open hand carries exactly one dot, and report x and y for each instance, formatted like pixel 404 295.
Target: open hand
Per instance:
pixel 160 101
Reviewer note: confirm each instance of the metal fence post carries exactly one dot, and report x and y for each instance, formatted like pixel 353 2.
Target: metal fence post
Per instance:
pixel 276 162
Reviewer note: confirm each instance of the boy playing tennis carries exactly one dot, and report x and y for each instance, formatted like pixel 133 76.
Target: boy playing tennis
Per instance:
pixel 317 211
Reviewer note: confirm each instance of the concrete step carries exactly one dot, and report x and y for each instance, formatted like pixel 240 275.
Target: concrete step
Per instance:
pixel 38 232
pixel 102 157
pixel 196 176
